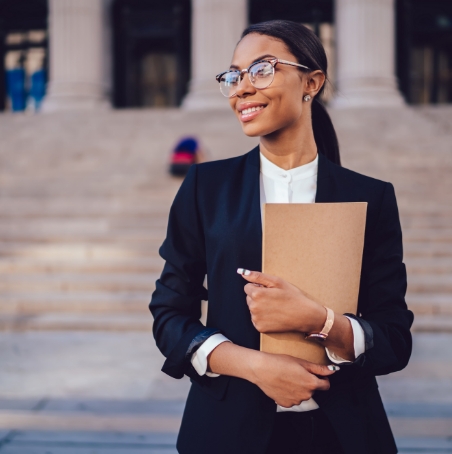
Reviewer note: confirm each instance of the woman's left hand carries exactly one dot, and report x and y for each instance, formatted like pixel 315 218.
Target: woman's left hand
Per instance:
pixel 278 306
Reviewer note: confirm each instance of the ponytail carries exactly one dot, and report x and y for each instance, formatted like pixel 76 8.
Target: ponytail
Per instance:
pixel 324 132
pixel 309 51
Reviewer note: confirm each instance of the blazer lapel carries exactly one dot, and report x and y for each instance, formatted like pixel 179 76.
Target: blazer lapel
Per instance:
pixel 325 191
pixel 252 227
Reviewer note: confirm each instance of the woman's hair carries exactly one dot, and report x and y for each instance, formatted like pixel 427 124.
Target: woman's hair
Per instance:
pixel 309 51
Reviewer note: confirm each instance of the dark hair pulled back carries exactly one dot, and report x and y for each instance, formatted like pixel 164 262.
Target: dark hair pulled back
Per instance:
pixel 309 51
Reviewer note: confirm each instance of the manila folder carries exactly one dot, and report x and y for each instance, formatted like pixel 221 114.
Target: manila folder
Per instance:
pixel 318 248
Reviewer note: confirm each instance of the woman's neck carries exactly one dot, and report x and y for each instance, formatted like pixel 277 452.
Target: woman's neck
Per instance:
pixel 288 148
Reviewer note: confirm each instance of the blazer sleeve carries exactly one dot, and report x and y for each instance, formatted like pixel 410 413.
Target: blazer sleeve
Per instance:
pixel 176 301
pixel 385 318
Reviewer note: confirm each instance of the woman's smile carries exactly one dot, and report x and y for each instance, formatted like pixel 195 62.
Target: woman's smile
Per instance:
pixel 250 110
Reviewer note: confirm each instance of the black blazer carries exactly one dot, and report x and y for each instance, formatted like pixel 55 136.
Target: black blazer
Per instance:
pixel 214 228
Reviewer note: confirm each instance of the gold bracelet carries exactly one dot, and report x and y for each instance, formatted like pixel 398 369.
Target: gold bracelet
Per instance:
pixel 326 329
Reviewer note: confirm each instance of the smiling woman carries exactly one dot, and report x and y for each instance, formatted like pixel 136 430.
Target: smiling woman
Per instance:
pixel 243 400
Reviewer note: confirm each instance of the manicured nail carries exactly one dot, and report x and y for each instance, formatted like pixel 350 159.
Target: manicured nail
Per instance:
pixel 243 271
pixel 331 367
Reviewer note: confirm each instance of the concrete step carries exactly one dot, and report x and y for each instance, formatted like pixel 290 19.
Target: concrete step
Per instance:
pixel 437 265
pixel 154 263
pixel 101 249
pixel 90 233
pixel 428 235
pixel 51 282
pixel 16 265
pixel 56 205
pixel 69 282
pixel 85 322
pixel 429 304
pixel 432 323
pixel 142 321
pixel 82 302
pixel 425 249
pixel 126 301
pixel 141 227
pixel 430 283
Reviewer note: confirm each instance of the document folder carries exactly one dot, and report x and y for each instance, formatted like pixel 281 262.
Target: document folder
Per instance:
pixel 317 247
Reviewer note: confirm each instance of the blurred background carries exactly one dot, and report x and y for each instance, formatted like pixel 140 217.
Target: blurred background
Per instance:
pixel 95 95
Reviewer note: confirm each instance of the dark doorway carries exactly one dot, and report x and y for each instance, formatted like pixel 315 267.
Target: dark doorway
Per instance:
pixel 314 12
pixel 151 42
pixel 424 50
pixel 23 47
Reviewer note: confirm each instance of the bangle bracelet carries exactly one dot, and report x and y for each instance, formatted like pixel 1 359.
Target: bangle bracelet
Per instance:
pixel 326 329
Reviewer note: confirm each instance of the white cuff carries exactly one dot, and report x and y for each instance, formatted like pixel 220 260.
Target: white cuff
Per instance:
pixel 359 343
pixel 306 405
pixel 199 358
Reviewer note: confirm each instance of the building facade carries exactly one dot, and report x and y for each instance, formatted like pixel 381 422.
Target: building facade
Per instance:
pixel 148 53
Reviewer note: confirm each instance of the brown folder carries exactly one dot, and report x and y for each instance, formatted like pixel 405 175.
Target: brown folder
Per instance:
pixel 317 247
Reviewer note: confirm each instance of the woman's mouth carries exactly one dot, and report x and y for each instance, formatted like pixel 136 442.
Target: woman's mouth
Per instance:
pixel 250 113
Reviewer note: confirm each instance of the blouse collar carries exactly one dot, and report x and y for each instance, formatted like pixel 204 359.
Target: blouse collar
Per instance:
pixel 297 173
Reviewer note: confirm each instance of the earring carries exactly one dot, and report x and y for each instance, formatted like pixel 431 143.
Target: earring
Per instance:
pixel 306 98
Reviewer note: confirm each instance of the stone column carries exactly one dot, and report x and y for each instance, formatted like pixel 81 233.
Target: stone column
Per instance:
pixel 216 29
pixel 365 37
pixel 79 55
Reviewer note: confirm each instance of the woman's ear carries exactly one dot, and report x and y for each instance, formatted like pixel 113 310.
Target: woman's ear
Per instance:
pixel 314 82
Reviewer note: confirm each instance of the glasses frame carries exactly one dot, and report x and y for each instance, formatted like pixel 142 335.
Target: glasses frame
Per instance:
pixel 272 61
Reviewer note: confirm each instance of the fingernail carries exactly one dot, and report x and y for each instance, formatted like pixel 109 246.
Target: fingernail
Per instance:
pixel 243 271
pixel 331 367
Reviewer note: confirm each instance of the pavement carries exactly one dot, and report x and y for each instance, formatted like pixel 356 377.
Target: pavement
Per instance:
pixel 86 392
pixel 91 392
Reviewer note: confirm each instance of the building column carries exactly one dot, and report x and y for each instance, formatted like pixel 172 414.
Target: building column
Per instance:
pixel 216 29
pixel 365 37
pixel 79 53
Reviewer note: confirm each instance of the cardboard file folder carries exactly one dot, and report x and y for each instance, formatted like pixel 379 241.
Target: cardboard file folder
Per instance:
pixel 317 247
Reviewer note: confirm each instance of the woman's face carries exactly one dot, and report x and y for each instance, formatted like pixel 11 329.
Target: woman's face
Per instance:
pixel 282 101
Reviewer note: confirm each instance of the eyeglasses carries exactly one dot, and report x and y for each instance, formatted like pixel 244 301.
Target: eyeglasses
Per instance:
pixel 261 74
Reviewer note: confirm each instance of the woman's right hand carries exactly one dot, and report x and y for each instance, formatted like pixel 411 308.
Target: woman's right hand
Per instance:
pixel 289 380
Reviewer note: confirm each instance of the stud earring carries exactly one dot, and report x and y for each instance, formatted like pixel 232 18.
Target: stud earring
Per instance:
pixel 307 98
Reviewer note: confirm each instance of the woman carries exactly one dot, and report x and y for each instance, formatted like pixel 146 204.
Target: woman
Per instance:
pixel 243 400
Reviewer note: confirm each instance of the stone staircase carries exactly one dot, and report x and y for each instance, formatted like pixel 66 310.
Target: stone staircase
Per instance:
pixel 84 199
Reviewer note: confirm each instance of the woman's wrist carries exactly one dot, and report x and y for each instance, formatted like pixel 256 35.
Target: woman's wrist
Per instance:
pixel 316 320
pixel 256 364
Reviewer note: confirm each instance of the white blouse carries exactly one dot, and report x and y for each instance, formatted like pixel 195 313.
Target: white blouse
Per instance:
pixel 298 185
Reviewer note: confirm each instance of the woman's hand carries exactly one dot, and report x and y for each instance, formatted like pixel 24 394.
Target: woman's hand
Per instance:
pixel 285 379
pixel 288 380
pixel 278 306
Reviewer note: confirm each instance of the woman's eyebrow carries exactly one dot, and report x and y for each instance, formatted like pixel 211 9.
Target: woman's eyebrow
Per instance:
pixel 262 57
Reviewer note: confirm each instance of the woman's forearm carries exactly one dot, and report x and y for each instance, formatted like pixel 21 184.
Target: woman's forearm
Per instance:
pixel 285 379
pixel 233 360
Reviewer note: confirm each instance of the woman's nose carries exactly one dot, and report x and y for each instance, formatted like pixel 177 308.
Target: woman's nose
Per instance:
pixel 245 87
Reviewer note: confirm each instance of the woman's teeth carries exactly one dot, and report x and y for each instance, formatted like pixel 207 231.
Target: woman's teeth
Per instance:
pixel 251 109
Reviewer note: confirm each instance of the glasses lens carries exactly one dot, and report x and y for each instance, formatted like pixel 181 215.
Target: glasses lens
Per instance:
pixel 229 82
pixel 261 74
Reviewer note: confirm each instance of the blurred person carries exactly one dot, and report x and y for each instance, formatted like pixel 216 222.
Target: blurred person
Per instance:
pixel 15 85
pixel 15 81
pixel 186 153
pixel 38 88
pixel 243 400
